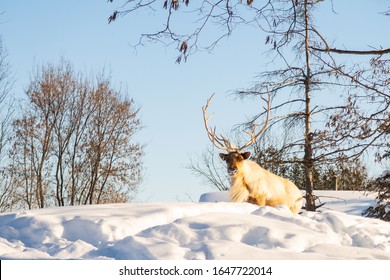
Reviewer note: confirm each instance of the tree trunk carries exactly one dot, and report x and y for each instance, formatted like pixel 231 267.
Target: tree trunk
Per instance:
pixel 308 156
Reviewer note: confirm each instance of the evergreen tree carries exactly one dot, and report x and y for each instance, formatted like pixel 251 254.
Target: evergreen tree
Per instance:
pixel 382 209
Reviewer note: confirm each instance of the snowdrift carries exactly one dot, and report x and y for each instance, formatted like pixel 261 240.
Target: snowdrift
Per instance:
pixel 211 229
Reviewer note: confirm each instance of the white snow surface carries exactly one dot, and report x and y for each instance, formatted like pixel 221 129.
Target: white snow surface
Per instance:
pixel 209 229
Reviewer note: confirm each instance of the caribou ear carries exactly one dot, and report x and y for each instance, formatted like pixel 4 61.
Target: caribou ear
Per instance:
pixel 223 156
pixel 246 155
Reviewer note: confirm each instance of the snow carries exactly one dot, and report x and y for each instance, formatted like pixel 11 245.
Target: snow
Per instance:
pixel 210 229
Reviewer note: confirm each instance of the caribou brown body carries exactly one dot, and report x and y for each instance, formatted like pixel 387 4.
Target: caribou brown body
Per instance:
pixel 250 182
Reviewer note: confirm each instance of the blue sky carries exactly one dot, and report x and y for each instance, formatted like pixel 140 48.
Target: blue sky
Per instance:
pixel 170 95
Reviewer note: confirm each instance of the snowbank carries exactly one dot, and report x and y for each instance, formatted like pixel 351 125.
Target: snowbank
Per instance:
pixel 205 230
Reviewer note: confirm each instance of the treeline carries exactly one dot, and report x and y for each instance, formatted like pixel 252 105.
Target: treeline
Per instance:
pixel 70 143
pixel 336 175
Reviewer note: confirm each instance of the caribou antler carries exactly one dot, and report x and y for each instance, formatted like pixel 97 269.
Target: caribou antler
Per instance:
pixel 222 142
pixel 252 133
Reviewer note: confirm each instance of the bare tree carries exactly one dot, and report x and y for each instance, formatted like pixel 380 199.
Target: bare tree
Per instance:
pixel 6 108
pixel 332 132
pixel 363 122
pixel 211 170
pixel 113 122
pixel 74 143
pixel 7 194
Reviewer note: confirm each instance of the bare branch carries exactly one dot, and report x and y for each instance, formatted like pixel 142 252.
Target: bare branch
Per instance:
pixel 355 52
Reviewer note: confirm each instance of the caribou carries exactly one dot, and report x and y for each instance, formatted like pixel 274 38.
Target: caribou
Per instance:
pixel 249 182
